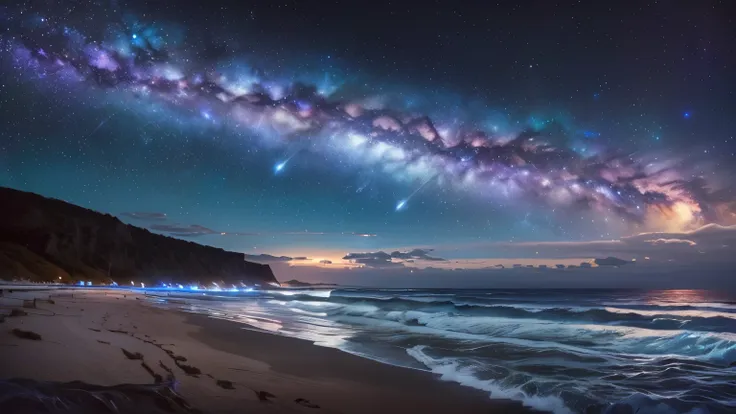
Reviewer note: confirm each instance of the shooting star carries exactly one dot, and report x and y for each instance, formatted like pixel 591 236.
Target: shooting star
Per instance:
pixel 402 203
pixel 281 165
pixel 101 124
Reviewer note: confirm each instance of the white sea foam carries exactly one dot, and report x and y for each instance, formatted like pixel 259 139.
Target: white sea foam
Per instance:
pixel 715 305
pixel 694 313
pixel 450 369
pixel 318 293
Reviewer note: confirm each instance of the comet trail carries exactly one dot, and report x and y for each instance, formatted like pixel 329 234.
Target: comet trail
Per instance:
pixel 103 122
pixel 402 203
pixel 281 165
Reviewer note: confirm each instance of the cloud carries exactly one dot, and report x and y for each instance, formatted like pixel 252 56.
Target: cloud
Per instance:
pixel 364 234
pixel 380 255
pixel 611 261
pixel 378 259
pixel 671 241
pixel 325 262
pixel 416 254
pixel 178 230
pixel 393 259
pixel 193 230
pixel 144 215
pixel 711 242
pixel 635 276
pixel 267 258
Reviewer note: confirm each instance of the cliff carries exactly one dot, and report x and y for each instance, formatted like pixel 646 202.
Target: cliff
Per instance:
pixel 44 239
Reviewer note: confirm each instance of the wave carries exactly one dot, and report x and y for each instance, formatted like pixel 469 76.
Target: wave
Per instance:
pixel 694 320
pixel 674 306
pixel 451 369
pixel 540 393
pixel 718 347
pixel 317 293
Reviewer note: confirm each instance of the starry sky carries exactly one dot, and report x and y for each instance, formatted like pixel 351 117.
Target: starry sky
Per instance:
pixel 380 135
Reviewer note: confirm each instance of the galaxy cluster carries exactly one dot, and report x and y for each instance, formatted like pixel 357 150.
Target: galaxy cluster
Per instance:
pixel 146 65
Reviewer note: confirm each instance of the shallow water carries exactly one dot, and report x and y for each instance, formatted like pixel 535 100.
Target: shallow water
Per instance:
pixel 557 350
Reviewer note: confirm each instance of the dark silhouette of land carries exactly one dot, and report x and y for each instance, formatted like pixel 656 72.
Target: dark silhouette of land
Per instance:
pixel 48 240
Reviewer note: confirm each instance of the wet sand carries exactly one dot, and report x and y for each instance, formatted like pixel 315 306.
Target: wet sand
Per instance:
pixel 217 366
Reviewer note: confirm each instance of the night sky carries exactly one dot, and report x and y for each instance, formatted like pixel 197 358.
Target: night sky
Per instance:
pixel 448 134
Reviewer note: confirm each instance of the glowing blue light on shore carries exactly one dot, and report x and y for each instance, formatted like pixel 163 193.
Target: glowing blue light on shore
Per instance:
pixel 194 287
pixel 181 286
pixel 81 283
pixel 248 289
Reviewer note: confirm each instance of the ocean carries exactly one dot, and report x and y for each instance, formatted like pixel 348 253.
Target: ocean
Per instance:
pixel 565 351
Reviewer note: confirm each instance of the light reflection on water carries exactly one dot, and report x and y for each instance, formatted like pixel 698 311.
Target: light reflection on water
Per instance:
pixel 274 317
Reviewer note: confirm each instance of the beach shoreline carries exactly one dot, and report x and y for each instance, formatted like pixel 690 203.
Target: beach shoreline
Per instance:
pixel 218 366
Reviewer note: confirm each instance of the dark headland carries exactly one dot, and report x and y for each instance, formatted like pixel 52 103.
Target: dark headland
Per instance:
pixel 48 240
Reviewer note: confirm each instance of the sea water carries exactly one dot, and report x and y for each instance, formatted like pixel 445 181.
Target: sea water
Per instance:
pixel 565 351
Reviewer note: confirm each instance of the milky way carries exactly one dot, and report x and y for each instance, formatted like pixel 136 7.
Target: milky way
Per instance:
pixel 145 66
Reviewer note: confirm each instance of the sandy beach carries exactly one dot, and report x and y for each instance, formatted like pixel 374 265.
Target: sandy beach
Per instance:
pixel 113 337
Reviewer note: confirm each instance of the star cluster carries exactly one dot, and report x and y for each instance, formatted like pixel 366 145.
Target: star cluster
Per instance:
pixel 153 69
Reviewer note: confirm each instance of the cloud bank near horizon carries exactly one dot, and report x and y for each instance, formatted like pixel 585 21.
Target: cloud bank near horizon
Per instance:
pixel 710 245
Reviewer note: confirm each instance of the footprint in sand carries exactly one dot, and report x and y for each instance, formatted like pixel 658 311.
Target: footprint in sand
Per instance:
pixel 188 369
pixel 228 385
pixel 26 334
pixel 156 377
pixel 306 403
pixel 264 396
pixel 132 355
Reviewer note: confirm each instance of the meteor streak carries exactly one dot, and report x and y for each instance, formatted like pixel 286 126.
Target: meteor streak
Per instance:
pixel 402 204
